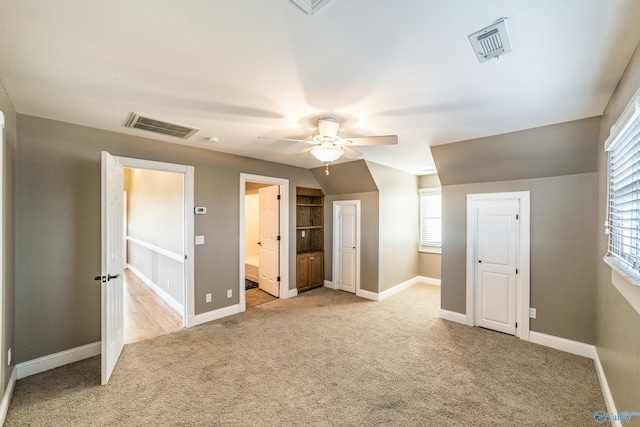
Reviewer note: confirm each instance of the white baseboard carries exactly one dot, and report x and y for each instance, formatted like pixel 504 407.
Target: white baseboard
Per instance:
pixel 209 316
pixel 453 316
pixel 563 344
pixel 291 293
pixel 428 280
pixel 6 399
pixel 157 289
pixel 56 360
pixel 606 392
pixel 367 295
pixel 330 285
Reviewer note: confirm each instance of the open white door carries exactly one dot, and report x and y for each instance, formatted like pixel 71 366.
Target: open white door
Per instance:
pixel 269 243
pixel 112 264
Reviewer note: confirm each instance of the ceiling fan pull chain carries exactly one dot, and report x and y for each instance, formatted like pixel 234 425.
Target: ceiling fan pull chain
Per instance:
pixel 326 171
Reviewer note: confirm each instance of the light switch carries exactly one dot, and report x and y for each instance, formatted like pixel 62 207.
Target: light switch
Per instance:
pixel 199 240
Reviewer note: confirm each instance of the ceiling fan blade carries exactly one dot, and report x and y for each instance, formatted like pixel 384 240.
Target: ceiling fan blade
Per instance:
pixel 350 153
pixel 374 140
pixel 281 139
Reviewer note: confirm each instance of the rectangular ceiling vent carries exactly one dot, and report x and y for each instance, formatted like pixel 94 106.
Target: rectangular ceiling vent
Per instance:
pixel 136 121
pixel 492 41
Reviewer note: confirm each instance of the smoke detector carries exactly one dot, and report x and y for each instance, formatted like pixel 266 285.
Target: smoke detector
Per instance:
pixel 137 121
pixel 492 41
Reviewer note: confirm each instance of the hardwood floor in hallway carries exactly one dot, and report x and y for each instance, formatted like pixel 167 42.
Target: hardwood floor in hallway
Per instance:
pixel 146 314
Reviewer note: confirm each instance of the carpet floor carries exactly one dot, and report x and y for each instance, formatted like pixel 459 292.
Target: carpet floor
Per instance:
pixel 323 358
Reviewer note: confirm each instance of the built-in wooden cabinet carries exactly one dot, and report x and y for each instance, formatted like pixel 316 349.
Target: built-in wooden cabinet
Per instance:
pixel 309 238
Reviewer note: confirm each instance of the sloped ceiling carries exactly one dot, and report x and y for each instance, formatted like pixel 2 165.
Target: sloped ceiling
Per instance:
pixel 249 73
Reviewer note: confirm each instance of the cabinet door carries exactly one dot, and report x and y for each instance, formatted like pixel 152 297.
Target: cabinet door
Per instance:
pixel 316 274
pixel 302 275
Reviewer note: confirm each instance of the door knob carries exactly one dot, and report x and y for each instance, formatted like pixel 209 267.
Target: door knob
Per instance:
pixel 109 277
pixel 479 260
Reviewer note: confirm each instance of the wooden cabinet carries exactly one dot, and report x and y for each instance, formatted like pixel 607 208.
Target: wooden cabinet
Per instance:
pixel 309 238
pixel 310 271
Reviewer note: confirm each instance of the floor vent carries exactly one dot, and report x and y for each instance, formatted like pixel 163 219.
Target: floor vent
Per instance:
pixel 136 121
pixel 492 41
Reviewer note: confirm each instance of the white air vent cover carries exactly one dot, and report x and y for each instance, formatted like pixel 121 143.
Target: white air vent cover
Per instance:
pixel 136 121
pixel 492 41
pixel 310 6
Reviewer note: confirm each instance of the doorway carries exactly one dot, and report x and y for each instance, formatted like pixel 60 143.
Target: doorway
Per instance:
pixel 264 207
pixel 346 245
pixel 498 235
pixel 154 275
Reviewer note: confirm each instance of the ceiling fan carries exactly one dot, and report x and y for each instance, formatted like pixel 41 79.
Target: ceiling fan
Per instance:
pixel 329 145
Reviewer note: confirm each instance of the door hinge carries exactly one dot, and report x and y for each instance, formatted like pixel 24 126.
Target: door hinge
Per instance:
pixel 517 217
pixel 278 238
pixel 516 325
pixel 278 197
pixel 185 257
pixel 516 271
pixel 278 278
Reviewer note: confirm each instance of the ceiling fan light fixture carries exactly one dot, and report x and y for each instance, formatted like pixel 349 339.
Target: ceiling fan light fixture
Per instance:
pixel 327 153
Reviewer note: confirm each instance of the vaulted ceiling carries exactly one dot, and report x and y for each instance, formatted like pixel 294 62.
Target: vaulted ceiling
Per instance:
pixel 251 73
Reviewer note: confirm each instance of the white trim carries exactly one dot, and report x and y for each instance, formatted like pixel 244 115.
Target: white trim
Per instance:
pixel 336 238
pixel 188 310
pixel 1 119
pixel 430 249
pixel 629 291
pixel 452 316
pixel 52 361
pixel 606 391
pixel 398 288
pixel 368 295
pixel 157 289
pixel 563 344
pixel 157 249
pixel 210 316
pixel 8 393
pixel 428 280
pixel 284 292
pixel 330 285
pixel 523 284
pixel 291 293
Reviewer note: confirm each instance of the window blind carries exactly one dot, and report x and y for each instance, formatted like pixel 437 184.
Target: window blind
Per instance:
pixel 623 213
pixel 430 218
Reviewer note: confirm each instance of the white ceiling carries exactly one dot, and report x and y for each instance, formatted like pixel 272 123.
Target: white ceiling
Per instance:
pixel 243 70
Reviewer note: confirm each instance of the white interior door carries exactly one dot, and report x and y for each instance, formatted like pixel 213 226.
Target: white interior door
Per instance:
pixel 269 243
pixel 346 246
pixel 112 264
pixel 497 254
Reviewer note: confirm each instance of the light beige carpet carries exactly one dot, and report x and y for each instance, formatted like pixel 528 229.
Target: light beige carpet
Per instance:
pixel 323 358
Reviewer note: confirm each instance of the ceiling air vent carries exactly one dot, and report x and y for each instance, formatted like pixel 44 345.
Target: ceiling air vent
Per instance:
pixel 492 41
pixel 136 121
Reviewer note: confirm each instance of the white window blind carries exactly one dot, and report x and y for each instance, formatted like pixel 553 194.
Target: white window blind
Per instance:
pixel 623 213
pixel 430 218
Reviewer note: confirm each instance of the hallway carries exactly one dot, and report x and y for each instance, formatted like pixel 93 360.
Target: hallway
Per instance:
pixel 146 314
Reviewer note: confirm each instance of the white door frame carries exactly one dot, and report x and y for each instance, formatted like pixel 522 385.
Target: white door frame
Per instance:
pixel 524 239
pixel 336 239
pixel 284 234
pixel 188 315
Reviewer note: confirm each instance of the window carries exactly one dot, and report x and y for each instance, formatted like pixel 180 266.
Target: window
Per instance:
pixel 430 220
pixel 623 212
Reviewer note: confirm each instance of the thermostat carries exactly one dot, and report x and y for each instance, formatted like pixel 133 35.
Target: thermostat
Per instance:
pixel 201 210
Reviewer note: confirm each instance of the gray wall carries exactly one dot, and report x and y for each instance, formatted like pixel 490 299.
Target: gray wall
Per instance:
pixel 617 323
pixel 562 244
pixel 8 280
pixel 369 237
pixel 557 165
pixel 399 225
pixel 58 227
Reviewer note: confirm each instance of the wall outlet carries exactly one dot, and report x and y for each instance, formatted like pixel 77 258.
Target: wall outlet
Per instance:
pixel 303 233
pixel 229 293
pixel 199 240
pixel 208 298
pixel 9 357
pixel 532 312
pixel 168 283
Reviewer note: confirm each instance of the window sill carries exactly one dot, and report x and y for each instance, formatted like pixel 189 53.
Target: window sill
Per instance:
pixel 625 283
pixel 430 249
